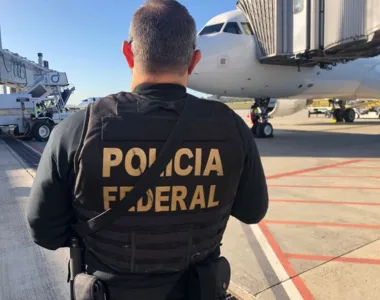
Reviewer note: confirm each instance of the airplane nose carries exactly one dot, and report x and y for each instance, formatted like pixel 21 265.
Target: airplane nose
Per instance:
pixel 200 41
pixel 195 79
pixel 204 47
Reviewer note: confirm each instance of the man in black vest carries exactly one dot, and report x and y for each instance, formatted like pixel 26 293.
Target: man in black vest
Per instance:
pixel 95 157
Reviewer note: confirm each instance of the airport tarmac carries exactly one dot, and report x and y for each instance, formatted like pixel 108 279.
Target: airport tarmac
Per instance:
pixel 319 240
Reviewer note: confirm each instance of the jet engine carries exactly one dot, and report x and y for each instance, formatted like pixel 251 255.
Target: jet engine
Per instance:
pixel 285 107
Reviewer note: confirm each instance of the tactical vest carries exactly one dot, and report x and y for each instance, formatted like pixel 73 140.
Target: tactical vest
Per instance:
pixel 181 220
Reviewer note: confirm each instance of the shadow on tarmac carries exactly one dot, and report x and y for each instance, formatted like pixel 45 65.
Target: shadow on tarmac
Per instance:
pixel 361 123
pixel 294 143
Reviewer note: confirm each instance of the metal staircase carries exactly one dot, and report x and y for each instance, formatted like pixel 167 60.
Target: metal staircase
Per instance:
pixel 51 85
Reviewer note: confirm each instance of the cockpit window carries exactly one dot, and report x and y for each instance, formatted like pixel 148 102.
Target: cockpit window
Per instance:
pixel 232 27
pixel 247 28
pixel 297 6
pixel 211 29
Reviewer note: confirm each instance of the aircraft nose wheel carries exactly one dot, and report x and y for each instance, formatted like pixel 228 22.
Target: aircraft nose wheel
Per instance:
pixel 263 130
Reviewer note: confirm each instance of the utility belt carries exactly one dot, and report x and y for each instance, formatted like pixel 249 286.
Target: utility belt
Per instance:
pixel 208 280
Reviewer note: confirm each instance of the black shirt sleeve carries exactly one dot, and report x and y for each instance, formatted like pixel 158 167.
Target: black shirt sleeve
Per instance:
pixel 251 202
pixel 49 211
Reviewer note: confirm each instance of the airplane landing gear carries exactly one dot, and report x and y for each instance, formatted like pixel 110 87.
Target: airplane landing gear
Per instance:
pixel 342 113
pixel 261 127
pixel 349 115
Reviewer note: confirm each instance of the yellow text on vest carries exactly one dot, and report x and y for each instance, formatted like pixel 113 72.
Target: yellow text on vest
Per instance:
pixel 164 198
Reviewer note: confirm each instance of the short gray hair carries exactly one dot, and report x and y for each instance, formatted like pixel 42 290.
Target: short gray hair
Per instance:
pixel 163 36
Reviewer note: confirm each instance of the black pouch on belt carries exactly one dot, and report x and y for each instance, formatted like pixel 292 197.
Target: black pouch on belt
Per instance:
pixel 209 280
pixel 88 287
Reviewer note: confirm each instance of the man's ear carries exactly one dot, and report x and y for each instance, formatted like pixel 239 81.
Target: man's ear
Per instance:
pixel 128 54
pixel 197 55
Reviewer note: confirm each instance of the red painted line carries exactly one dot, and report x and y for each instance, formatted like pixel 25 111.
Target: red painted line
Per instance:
pixel 371 160
pixel 323 187
pixel 304 223
pixel 297 280
pixel 324 167
pixel 35 148
pixel 370 261
pixel 326 202
pixel 335 176
pixel 359 167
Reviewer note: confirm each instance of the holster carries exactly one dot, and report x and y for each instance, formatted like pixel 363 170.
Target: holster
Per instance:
pixel 83 286
pixel 210 280
pixel 88 287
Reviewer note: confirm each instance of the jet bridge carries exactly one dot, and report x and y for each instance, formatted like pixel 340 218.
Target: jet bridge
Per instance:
pixel 32 84
pixel 314 32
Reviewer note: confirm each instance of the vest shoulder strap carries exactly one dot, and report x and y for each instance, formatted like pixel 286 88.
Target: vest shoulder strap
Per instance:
pixel 147 180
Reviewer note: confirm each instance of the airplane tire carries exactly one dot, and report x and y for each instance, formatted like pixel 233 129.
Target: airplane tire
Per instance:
pixel 265 130
pixel 338 114
pixel 349 115
pixel 41 131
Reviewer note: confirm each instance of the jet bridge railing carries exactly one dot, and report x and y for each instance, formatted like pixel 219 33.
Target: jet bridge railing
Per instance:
pixel 311 32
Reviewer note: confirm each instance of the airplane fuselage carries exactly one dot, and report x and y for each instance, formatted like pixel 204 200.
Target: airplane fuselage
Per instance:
pixel 229 67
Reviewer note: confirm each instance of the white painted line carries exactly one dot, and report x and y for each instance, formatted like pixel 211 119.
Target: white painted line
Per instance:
pixel 281 273
pixel 238 292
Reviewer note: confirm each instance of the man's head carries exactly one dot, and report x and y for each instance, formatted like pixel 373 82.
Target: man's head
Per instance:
pixel 162 44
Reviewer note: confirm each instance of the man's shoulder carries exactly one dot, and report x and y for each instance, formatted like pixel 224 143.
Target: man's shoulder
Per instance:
pixel 116 97
pixel 70 124
pixel 209 102
pixel 109 104
pixel 214 106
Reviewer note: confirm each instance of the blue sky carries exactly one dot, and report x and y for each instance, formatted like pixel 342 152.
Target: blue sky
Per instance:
pixel 83 38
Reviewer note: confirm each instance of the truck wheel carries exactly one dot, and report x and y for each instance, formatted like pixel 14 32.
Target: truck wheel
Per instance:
pixel 41 131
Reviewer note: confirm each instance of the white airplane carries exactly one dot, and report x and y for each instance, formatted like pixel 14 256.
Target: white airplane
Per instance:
pixel 84 103
pixel 229 68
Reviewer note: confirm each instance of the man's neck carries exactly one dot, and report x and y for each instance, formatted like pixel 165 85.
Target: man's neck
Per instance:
pixel 137 80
